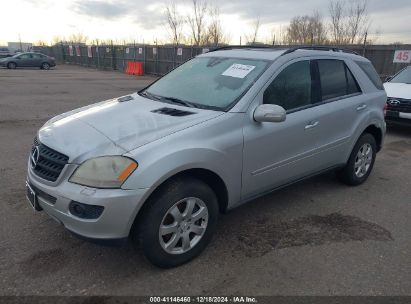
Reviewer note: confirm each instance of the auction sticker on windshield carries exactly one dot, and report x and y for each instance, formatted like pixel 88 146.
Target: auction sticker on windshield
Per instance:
pixel 238 70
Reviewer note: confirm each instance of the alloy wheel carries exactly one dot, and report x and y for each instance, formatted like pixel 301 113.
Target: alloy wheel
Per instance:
pixel 363 160
pixel 183 226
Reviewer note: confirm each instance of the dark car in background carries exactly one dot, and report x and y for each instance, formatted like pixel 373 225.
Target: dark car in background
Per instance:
pixel 5 52
pixel 29 59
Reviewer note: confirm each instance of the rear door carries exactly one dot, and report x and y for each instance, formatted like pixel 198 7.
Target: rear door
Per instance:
pixel 38 59
pixel 340 111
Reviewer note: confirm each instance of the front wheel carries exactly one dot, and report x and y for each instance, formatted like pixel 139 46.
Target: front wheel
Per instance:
pixel 178 223
pixel 361 161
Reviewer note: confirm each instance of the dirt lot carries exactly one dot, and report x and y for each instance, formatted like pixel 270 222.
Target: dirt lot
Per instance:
pixel 315 238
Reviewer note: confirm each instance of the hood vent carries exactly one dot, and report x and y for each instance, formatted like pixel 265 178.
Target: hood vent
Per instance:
pixel 172 112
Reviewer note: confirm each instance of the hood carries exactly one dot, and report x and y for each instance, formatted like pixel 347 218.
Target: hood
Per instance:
pixel 398 90
pixel 113 126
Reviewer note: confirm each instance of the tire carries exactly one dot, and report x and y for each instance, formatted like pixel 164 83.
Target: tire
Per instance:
pixel 11 66
pixel 361 161
pixel 189 235
pixel 45 66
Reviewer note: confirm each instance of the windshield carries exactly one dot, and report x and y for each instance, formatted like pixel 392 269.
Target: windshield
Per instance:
pixel 403 77
pixel 207 82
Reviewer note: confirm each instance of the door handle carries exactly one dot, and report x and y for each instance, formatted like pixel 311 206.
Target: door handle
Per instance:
pixel 312 124
pixel 361 107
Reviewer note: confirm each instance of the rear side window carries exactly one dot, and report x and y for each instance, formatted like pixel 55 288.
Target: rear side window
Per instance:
pixel 372 74
pixel 291 89
pixel 336 79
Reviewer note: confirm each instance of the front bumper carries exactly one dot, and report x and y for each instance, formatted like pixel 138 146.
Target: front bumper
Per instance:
pixel 120 207
pixel 399 118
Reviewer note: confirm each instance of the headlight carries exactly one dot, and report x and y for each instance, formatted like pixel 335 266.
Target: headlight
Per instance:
pixel 104 172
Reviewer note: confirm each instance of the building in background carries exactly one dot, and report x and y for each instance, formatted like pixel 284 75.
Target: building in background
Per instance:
pixel 19 46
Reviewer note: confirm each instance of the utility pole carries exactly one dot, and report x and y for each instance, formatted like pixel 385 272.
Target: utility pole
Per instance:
pixel 365 44
pixel 240 40
pixel 21 46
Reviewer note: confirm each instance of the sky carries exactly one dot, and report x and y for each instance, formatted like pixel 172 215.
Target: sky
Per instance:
pixel 143 21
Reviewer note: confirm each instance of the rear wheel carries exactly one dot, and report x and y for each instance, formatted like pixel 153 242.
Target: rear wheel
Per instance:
pixel 45 66
pixel 178 223
pixel 361 161
pixel 11 65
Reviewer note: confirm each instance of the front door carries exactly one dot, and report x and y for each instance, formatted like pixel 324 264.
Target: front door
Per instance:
pixel 278 153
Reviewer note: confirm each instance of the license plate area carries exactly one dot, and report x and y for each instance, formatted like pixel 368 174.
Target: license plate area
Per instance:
pixel 405 115
pixel 32 197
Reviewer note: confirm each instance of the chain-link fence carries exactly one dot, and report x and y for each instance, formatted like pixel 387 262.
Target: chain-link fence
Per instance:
pixel 159 60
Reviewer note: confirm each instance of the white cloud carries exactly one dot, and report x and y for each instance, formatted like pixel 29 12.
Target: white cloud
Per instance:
pixel 138 19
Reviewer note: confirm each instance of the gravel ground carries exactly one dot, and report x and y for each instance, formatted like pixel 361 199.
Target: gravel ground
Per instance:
pixel 317 237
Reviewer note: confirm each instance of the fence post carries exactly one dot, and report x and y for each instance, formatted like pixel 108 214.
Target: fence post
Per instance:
pixel 144 58
pixel 98 56
pixel 63 55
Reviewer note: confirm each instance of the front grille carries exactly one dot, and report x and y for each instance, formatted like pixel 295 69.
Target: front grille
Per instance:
pixel 401 105
pixel 46 162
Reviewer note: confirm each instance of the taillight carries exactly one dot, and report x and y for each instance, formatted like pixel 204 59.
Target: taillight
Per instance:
pixel 385 109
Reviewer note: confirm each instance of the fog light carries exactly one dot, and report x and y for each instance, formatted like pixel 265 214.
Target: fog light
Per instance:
pixel 85 211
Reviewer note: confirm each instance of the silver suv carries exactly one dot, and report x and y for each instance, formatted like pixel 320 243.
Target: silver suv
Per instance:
pixel 220 130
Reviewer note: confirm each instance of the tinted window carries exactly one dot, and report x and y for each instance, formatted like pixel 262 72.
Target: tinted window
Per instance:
pixel 403 77
pixel 352 85
pixel 292 87
pixel 336 79
pixel 332 77
pixel 25 56
pixel 38 56
pixel 368 69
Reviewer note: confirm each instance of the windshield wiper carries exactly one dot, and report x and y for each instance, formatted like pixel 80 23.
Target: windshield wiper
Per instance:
pixel 179 102
pixel 175 100
pixel 149 95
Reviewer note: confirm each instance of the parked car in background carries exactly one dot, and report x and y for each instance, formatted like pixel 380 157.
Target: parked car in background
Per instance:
pixel 218 131
pixel 398 88
pixel 5 52
pixel 28 60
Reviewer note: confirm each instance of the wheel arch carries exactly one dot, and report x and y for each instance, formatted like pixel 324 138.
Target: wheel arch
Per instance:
pixel 377 133
pixel 209 177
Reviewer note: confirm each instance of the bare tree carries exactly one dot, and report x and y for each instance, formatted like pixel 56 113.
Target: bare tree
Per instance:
pixel 215 33
pixel 318 29
pixel 349 20
pixel 357 22
pixel 40 43
pixel 338 23
pixel 78 38
pixel 306 30
pixel 174 22
pixel 197 21
pixel 252 36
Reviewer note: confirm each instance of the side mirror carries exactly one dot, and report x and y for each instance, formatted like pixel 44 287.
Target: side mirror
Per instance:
pixel 269 113
pixel 388 78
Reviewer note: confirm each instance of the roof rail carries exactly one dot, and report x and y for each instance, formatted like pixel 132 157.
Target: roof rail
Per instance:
pixel 319 48
pixel 287 51
pixel 233 47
